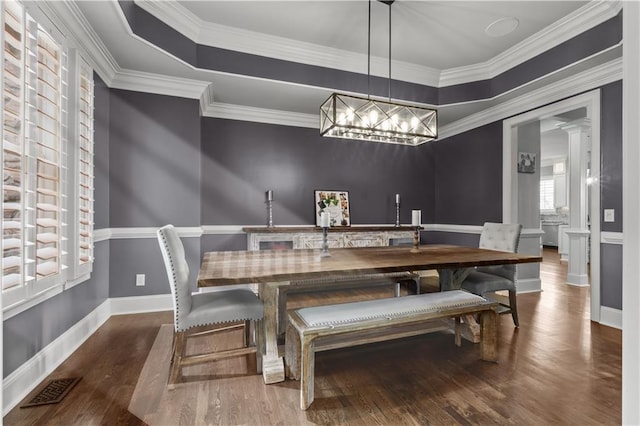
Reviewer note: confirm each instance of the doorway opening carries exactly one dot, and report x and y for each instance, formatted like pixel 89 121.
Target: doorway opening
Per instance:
pixel 518 187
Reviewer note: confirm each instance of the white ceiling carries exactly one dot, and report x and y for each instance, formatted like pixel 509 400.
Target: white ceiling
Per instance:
pixel 433 42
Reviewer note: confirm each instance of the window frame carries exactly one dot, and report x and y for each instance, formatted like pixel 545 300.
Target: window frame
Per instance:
pixel 545 180
pixel 67 121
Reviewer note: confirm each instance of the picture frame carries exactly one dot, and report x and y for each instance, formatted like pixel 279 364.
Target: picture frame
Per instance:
pixel 336 203
pixel 526 162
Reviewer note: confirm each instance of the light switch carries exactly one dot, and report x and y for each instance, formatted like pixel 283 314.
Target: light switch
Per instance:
pixel 609 215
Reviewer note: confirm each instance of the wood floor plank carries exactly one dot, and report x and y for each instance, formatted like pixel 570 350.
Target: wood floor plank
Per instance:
pixel 557 368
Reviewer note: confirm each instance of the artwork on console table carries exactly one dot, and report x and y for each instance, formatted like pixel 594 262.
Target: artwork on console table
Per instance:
pixel 336 203
pixel 526 162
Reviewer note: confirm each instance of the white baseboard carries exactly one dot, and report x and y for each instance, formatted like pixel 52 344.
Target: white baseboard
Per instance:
pixel 611 317
pixel 529 285
pixel 23 380
pixel 140 304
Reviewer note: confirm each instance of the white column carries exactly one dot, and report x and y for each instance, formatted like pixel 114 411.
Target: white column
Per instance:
pixel 578 232
pixel 631 211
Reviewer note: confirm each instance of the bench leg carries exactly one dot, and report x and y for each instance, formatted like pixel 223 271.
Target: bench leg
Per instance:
pixel 489 335
pixel 292 353
pixel 307 367
pixel 458 331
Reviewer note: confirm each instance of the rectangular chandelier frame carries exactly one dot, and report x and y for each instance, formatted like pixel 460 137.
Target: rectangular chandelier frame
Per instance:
pixel 353 117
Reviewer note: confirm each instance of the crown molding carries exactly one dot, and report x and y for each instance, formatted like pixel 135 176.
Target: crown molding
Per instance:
pixel 139 81
pixel 572 25
pixel 260 115
pixel 581 82
pixel 206 33
pixel 67 15
pixel 587 80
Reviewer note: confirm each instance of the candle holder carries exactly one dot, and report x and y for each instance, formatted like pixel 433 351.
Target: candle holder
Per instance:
pixel 416 240
pixel 397 214
pixel 325 244
pixel 269 213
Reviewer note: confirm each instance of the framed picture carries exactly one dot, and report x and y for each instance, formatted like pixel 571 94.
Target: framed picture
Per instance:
pixel 336 203
pixel 526 162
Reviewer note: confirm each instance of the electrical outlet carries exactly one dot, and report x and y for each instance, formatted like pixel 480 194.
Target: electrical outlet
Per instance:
pixel 139 280
pixel 609 215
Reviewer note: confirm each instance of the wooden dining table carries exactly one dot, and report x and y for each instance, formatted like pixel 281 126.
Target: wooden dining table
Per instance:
pixel 273 269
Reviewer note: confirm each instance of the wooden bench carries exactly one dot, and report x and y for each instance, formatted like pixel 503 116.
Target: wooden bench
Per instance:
pixel 340 282
pixel 320 328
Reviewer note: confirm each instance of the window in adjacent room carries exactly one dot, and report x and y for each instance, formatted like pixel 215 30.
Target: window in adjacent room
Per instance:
pixel 547 194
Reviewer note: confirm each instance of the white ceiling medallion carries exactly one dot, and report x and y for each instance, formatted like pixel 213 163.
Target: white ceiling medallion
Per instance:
pixel 502 27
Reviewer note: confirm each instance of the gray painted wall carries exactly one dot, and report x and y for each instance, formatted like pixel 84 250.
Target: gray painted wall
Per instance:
pixel 154 180
pixel 529 183
pixel 154 160
pixel 242 160
pixel 467 177
pixel 30 331
pixel 611 155
pixel 611 275
pixel 611 192
pixel 102 122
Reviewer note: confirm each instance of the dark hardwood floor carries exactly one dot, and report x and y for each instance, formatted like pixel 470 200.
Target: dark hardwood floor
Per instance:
pixel 557 368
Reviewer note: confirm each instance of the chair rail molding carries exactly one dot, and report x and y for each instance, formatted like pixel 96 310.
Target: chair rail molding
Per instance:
pixel 104 234
pixel 611 237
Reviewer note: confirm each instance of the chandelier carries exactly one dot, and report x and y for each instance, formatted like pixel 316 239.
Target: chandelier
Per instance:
pixel 353 117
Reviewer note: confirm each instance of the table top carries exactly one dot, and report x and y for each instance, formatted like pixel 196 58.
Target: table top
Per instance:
pixel 239 267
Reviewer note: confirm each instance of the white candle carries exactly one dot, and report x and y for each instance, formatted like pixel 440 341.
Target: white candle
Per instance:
pixel 397 198
pixel 416 217
pixel 324 219
pixel 270 195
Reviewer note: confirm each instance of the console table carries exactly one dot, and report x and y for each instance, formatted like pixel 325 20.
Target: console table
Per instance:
pixel 308 237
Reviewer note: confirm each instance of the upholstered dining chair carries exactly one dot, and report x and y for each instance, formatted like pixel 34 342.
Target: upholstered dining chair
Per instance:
pixel 202 313
pixel 484 280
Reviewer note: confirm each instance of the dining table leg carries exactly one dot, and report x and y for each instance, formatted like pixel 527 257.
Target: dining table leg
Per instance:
pixel 272 362
pixel 451 279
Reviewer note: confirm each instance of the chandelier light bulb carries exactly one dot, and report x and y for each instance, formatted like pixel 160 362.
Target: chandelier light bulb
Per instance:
pixel 350 114
pixel 373 116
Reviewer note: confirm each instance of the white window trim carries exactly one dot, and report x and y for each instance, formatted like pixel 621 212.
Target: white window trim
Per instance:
pixel 30 294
